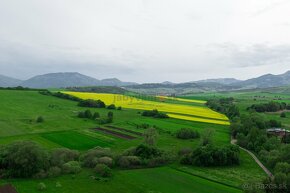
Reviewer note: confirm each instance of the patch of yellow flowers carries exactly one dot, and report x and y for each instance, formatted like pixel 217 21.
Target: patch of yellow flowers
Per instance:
pixel 181 99
pixel 178 111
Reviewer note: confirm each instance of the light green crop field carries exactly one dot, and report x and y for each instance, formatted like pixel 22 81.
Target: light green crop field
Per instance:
pixel 62 128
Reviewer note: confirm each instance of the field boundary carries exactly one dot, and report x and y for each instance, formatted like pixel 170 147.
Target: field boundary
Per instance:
pixel 126 130
pixel 215 181
pixel 115 133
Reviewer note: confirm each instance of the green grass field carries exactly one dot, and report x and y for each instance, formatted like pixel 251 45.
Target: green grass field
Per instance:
pixel 74 140
pixel 62 128
pixel 161 180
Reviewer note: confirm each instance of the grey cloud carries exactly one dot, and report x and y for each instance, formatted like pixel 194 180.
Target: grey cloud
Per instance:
pixel 255 55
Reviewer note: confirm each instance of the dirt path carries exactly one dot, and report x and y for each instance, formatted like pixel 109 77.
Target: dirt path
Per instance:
pixel 234 141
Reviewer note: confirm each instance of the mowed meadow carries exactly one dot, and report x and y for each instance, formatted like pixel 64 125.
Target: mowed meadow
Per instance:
pixel 62 128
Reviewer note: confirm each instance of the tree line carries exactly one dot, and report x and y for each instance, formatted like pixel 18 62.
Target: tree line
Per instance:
pixel 269 107
pixel 250 131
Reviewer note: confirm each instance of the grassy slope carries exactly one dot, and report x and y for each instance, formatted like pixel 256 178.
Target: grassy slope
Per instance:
pixel 132 181
pixel 63 129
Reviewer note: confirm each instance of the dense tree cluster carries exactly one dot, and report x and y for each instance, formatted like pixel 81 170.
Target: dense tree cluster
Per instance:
pixel 250 131
pixel 96 116
pixel 88 114
pixel 92 103
pixel 144 156
pixel 60 95
pixel 27 159
pixel 210 155
pixel 186 133
pixel 225 106
pixel 269 107
pixel 154 113
pixel 111 106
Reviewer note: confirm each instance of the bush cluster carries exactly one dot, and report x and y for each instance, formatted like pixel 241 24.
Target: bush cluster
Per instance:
pixel 269 107
pixel 154 113
pixel 96 116
pixel 92 103
pixel 88 114
pixel 225 106
pixel 210 155
pixel 144 156
pixel 27 159
pixel 186 133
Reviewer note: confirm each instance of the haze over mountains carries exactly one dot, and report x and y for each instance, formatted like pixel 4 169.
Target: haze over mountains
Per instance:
pixel 61 80
pixel 6 81
pixel 74 79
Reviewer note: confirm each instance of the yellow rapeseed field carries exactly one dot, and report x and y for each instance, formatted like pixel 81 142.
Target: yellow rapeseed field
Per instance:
pixel 183 100
pixel 186 112
pixel 198 119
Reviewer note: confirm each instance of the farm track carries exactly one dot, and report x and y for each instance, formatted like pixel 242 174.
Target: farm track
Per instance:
pixel 115 133
pixel 234 141
pixel 126 130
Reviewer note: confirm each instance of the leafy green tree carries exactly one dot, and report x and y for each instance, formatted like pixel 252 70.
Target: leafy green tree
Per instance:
pixel 81 115
pixel 40 119
pixel 112 106
pixel 41 187
pixel 283 115
pixel 96 115
pixel 88 114
pixel 110 116
pixel 150 136
pixel 71 167
pixel 23 159
pixel 207 137
pixel 103 170
pixel 186 133
pixel 61 156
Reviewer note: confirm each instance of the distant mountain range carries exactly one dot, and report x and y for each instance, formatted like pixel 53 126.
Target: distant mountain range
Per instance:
pixel 61 80
pixel 226 81
pixel 6 81
pixel 74 79
pixel 223 84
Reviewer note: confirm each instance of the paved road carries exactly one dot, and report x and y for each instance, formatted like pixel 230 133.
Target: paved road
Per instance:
pixel 234 141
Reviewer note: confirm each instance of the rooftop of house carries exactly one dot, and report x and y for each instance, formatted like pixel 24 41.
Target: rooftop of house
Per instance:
pixel 277 130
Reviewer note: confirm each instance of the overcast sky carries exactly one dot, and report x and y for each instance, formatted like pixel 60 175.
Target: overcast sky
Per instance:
pixel 145 40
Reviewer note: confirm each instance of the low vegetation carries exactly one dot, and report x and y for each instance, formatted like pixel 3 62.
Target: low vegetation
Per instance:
pixel 270 107
pixel 155 113
pixel 225 106
pixel 186 133
pixel 210 155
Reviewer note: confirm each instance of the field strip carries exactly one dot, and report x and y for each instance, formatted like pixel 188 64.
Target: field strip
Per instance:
pixel 217 119
pixel 126 130
pixel 115 133
pixel 197 119
pixel 181 99
pixel 199 176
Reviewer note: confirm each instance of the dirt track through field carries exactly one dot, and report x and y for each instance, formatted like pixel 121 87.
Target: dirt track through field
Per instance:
pixel 126 130
pixel 234 141
pixel 116 134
